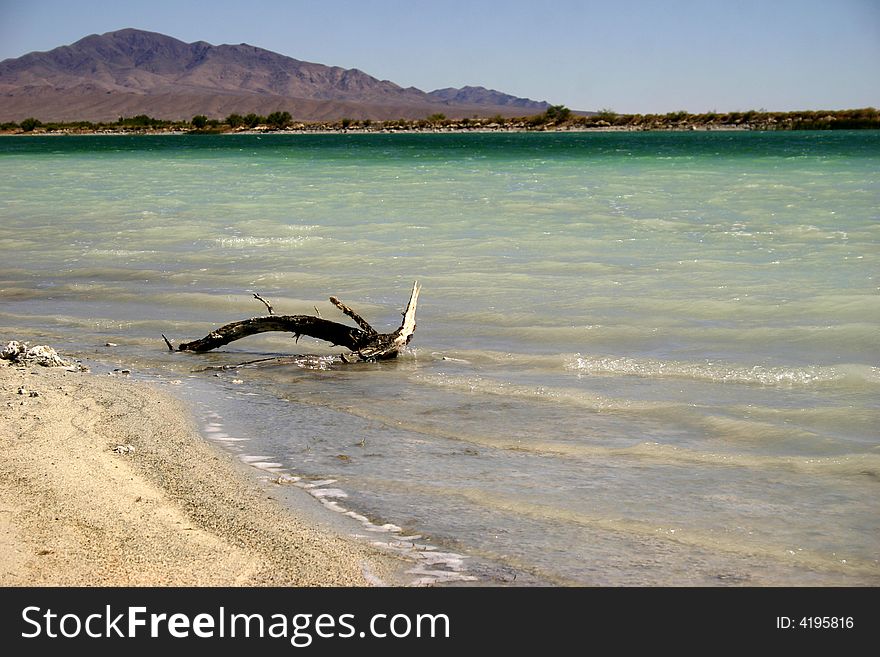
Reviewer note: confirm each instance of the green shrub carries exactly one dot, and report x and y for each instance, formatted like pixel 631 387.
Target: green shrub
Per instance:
pixel 557 114
pixel 279 120
pixel 235 120
pixel 30 123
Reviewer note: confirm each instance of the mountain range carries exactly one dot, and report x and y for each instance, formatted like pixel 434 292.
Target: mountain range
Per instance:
pixel 130 72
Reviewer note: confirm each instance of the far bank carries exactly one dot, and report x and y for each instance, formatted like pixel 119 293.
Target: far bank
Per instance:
pixel 555 118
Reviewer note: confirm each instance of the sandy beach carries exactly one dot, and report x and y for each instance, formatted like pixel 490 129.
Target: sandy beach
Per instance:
pixel 106 482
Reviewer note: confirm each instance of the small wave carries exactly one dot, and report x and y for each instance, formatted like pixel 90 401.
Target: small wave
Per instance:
pixel 244 242
pixel 306 362
pixel 707 371
pixel 119 253
pixel 23 293
pixel 846 465
pixel 482 357
pixel 482 385
pixel 858 465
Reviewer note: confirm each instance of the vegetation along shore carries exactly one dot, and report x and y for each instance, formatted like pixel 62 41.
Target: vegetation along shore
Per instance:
pixel 556 117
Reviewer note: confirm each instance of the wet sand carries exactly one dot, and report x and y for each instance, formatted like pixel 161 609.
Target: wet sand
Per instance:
pixel 106 482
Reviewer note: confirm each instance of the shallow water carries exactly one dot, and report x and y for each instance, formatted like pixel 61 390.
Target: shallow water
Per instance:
pixel 641 358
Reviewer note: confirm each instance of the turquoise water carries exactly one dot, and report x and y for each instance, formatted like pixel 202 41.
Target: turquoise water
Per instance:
pixel 641 358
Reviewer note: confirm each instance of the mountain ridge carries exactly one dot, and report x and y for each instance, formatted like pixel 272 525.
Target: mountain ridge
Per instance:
pixel 131 71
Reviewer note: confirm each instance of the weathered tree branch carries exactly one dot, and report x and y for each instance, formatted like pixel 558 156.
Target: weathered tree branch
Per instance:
pixel 360 321
pixel 365 342
pixel 266 303
pixel 387 345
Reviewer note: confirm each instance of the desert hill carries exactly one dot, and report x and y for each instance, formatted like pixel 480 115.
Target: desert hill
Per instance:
pixel 130 72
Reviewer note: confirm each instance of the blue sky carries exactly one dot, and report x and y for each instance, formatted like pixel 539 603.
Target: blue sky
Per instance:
pixel 624 55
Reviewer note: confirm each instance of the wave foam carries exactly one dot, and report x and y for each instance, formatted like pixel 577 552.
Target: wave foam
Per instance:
pixel 707 371
pixel 244 242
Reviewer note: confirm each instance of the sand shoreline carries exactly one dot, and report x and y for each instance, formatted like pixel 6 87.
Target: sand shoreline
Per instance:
pixel 106 482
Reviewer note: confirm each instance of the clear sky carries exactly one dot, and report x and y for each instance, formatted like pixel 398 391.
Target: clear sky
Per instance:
pixel 631 56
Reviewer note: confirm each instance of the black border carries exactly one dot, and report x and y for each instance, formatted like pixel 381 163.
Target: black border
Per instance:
pixel 505 619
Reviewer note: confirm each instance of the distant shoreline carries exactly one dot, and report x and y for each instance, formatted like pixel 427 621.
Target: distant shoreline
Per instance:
pixel 555 119
pixel 321 131
pixel 401 131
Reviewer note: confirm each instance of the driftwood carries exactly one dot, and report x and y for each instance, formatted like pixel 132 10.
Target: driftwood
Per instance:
pixel 365 343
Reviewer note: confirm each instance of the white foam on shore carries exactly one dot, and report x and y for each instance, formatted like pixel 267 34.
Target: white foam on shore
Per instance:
pixel 432 566
pixel 251 460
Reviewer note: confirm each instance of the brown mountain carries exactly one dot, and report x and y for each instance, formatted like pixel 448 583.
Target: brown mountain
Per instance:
pixel 483 96
pixel 131 72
